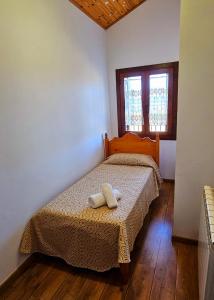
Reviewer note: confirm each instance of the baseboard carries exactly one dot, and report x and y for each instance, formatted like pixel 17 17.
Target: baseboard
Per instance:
pixel 18 272
pixel 184 240
pixel 169 180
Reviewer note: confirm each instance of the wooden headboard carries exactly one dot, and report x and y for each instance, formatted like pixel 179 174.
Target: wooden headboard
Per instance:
pixel 132 143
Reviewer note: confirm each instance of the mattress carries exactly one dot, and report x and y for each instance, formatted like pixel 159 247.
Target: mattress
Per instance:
pixel 97 239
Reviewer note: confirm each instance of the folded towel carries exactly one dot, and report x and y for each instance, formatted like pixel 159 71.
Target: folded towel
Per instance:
pixel 98 200
pixel 109 195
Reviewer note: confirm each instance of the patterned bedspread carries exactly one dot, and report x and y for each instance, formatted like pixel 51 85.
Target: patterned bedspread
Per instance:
pixel 97 239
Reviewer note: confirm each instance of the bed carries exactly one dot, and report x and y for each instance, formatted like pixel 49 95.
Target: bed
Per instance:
pixel 98 239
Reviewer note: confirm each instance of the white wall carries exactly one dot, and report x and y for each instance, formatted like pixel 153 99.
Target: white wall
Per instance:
pixel 148 35
pixel 53 109
pixel 195 143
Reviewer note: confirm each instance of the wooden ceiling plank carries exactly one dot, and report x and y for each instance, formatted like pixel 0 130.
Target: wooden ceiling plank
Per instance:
pixel 114 8
pixel 106 12
pixel 97 9
pixel 99 12
pixel 75 3
pixel 111 11
pixel 127 5
pixel 104 8
pixel 120 7
pixel 141 2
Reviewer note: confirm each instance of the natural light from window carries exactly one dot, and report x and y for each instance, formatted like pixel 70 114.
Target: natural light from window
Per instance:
pixel 133 104
pixel 158 102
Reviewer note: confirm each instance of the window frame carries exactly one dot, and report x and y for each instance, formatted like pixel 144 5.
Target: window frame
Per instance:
pixel 146 71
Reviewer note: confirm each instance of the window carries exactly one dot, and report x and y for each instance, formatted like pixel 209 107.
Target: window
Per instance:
pixel 147 100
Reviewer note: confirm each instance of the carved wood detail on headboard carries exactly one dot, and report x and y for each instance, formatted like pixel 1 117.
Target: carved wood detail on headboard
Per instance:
pixel 132 143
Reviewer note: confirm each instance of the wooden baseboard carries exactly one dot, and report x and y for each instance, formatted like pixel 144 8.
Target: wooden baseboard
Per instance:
pixel 19 271
pixel 169 180
pixel 184 240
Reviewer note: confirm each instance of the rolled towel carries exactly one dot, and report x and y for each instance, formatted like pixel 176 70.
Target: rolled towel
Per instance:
pixel 109 195
pixel 98 200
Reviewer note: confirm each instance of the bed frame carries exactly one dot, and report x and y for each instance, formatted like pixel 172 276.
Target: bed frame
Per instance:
pixel 131 143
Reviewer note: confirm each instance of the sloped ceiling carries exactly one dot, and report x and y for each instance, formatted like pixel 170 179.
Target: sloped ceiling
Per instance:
pixel 106 12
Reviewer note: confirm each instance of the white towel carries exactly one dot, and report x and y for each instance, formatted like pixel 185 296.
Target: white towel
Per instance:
pixel 109 195
pixel 98 200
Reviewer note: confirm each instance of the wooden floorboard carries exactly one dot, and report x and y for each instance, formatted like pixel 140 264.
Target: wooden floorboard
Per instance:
pixel 159 269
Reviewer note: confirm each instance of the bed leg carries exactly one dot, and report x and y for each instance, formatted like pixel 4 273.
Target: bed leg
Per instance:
pixel 124 272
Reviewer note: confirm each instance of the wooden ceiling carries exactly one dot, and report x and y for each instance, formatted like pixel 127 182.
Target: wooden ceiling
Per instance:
pixel 106 12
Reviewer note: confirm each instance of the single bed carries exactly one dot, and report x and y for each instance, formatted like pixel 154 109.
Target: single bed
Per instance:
pixel 98 239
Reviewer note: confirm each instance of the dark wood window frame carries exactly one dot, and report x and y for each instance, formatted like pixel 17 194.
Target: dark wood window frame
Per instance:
pixel 172 69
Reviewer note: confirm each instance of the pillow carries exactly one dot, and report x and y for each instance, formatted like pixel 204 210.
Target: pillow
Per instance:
pixel 134 159
pixel 130 159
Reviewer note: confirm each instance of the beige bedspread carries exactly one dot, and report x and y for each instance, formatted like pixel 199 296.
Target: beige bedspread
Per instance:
pixel 98 239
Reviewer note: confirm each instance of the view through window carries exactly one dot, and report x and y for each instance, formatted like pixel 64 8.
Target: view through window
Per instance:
pixel 147 100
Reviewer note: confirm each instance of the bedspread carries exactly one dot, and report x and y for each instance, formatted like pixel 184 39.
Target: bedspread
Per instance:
pixel 97 239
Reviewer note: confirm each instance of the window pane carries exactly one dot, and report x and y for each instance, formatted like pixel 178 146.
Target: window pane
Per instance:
pixel 133 104
pixel 158 102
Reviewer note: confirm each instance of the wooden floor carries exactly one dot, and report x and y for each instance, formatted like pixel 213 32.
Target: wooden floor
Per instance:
pixel 159 270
